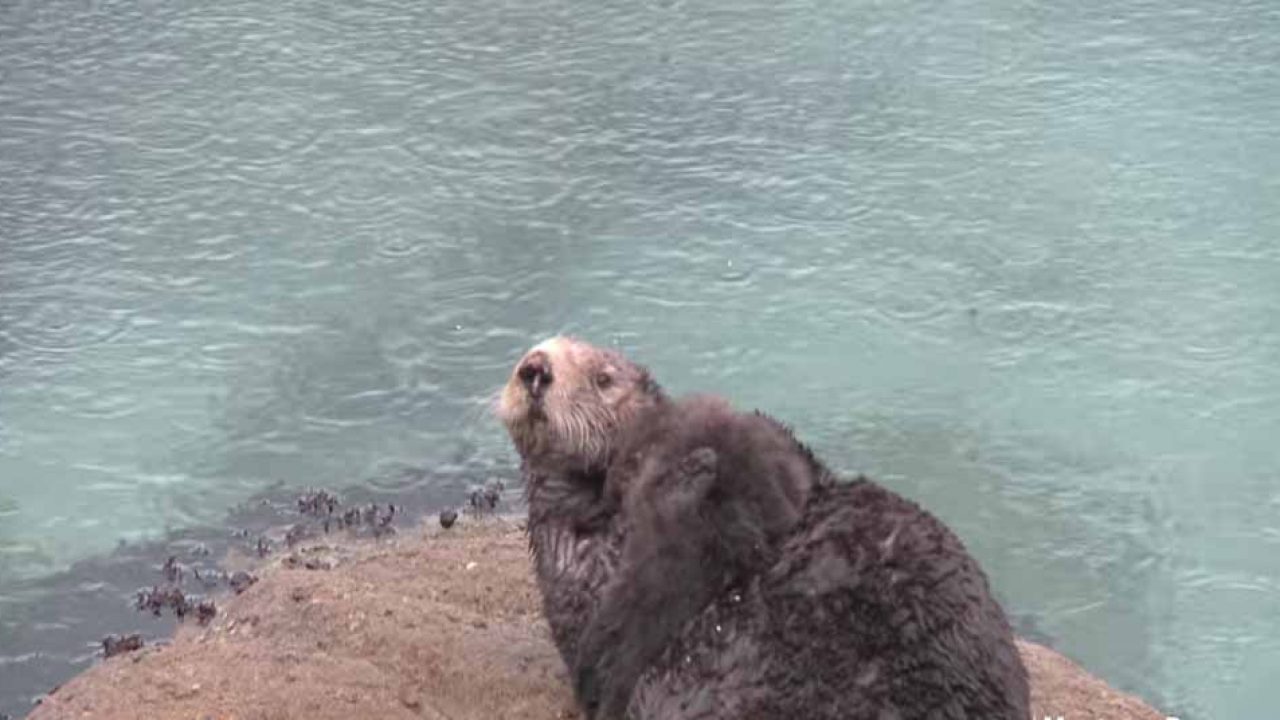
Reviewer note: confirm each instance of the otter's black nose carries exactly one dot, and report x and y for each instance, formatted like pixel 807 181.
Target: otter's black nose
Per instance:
pixel 535 374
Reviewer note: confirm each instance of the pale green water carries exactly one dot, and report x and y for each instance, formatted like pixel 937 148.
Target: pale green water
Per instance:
pixel 1019 261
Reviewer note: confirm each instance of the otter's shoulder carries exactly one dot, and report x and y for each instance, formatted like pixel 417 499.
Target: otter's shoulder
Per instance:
pixel 903 566
pixel 873 609
pixel 897 531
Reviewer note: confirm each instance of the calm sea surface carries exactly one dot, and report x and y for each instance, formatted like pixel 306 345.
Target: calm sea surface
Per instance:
pixel 1020 261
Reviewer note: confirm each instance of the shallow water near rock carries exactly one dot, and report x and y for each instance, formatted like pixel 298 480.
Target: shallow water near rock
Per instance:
pixel 1019 263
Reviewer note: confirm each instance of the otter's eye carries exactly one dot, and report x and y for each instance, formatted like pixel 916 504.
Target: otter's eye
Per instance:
pixel 603 380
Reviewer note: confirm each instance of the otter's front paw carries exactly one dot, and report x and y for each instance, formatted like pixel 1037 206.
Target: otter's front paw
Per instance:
pixel 690 479
pixel 676 494
pixel 699 467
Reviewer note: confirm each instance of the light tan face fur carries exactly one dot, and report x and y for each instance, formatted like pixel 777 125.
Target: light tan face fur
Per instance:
pixel 592 393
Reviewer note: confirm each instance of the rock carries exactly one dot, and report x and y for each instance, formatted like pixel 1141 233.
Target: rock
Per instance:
pixel 206 611
pixel 242 581
pixel 317 503
pixel 448 518
pixel 458 645
pixel 113 645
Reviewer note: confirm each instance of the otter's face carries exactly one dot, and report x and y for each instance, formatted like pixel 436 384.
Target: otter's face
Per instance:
pixel 566 401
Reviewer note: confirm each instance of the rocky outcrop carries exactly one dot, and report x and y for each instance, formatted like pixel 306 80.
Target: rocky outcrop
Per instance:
pixel 444 624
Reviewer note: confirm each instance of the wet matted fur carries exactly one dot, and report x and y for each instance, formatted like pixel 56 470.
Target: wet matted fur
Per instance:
pixel 697 562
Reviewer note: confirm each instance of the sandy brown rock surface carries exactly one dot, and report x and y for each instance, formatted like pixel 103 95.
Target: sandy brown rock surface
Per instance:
pixel 434 624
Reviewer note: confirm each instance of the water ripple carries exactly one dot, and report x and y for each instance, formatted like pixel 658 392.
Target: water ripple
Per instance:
pixel 60 325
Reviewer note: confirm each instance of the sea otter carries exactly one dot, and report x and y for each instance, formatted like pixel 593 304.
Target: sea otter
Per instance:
pixel 698 562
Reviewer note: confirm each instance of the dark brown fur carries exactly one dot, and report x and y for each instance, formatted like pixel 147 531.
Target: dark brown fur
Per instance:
pixel 707 566
pixel 707 497
pixel 874 610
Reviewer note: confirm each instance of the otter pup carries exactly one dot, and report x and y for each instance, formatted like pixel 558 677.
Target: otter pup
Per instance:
pixel 696 562
pixel 704 497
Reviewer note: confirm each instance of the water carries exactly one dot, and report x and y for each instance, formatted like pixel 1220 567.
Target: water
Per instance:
pixel 1018 262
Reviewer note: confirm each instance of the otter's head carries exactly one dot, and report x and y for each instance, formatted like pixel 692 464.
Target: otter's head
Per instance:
pixel 567 401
